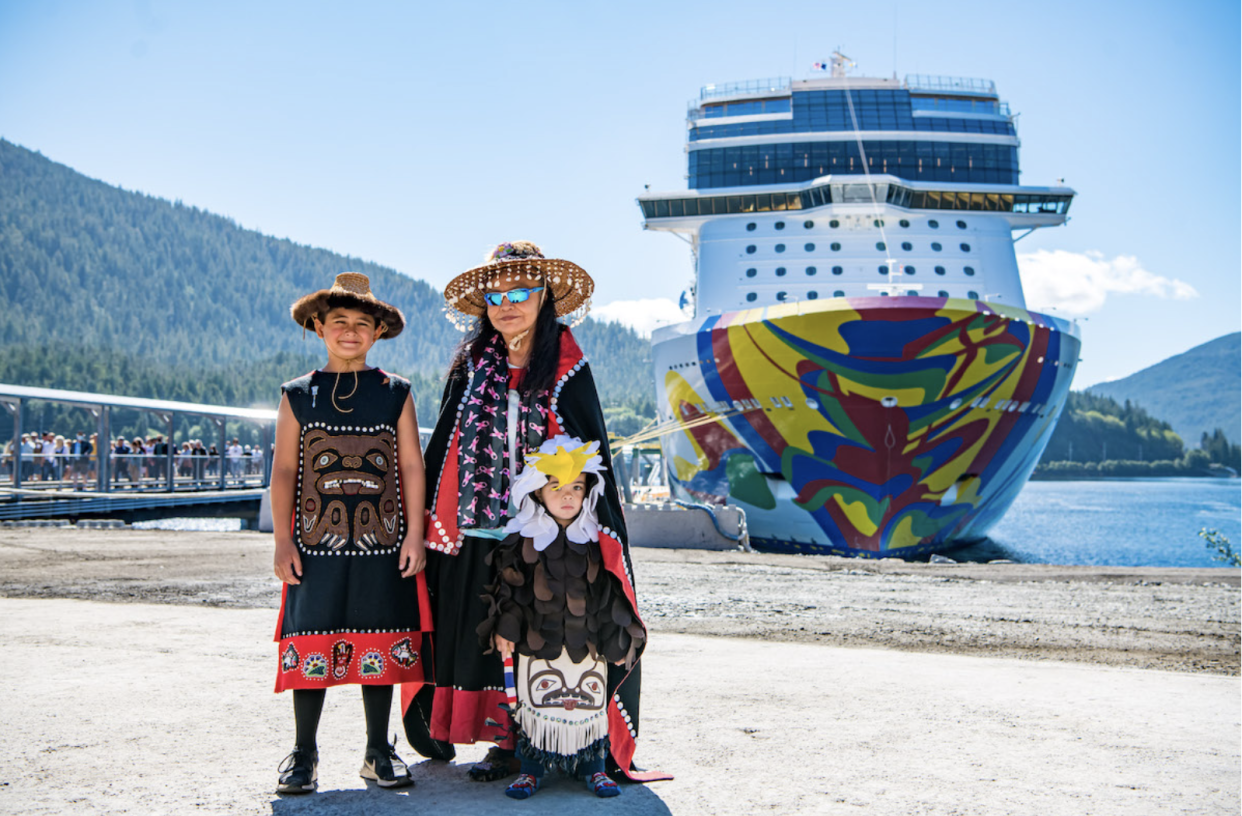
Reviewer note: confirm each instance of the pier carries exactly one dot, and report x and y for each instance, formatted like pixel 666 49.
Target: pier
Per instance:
pixel 133 486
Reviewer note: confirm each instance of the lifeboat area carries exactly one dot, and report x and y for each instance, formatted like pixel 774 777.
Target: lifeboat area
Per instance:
pixel 139 671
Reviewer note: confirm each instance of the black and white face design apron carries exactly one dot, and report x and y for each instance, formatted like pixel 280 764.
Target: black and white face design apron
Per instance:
pixel 562 707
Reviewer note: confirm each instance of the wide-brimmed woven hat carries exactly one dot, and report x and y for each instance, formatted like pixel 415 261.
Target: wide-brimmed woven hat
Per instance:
pixel 568 284
pixel 351 286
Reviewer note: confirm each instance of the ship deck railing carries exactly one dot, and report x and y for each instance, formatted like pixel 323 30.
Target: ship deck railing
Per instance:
pixel 750 86
pixel 950 84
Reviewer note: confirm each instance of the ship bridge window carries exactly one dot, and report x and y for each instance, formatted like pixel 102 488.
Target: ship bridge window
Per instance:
pixel 915 159
pixel 780 247
pixel 750 297
pixel 750 227
pixel 936 247
pixel 965 247
pixel 808 224
pixel 907 246
pixel 812 295
pixel 836 270
pixel 961 225
pixel 940 270
pixel 835 247
pixel 810 270
pixel 809 247
pixel 780 271
pixel 969 270
pixel 750 250
pixel 780 225
pixel 934 224
pixel 748 108
pixel 750 273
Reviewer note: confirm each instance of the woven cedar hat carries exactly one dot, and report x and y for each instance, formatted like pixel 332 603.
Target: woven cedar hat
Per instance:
pixel 350 286
pixel 568 284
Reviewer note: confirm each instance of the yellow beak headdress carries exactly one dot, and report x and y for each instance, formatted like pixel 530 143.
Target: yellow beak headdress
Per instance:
pixel 564 465
pixel 563 458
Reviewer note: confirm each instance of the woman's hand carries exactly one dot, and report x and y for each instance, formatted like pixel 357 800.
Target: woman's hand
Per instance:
pixel 413 556
pixel 505 647
pixel 287 563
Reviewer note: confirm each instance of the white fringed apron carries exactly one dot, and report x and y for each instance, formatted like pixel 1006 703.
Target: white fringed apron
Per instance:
pixel 562 709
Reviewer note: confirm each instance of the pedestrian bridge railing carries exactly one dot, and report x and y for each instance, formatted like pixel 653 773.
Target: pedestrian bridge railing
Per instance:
pixel 100 470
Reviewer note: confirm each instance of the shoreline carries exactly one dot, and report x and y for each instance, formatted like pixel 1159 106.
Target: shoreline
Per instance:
pixel 1182 619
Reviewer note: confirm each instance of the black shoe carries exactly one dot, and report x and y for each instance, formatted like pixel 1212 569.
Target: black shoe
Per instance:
pixel 385 768
pixel 299 773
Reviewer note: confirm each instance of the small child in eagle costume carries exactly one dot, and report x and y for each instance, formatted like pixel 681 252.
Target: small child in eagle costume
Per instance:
pixel 558 612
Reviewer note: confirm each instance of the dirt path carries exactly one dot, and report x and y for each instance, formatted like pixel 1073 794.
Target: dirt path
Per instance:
pixel 1173 619
pixel 146 709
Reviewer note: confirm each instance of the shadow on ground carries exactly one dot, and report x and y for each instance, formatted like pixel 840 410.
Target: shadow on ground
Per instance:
pixel 442 788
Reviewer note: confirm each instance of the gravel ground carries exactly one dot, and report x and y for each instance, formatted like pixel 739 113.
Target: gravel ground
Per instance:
pixel 139 668
pixel 1171 619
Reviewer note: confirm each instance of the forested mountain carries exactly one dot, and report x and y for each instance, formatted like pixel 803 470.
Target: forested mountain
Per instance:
pixel 1196 392
pixel 105 289
pixel 1124 440
pixel 1094 429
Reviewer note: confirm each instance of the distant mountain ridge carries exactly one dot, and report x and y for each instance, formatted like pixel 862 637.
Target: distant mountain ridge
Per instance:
pixel 1196 392
pixel 92 267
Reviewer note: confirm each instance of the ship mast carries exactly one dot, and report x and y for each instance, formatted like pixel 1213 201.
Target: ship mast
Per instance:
pixel 891 287
pixel 839 63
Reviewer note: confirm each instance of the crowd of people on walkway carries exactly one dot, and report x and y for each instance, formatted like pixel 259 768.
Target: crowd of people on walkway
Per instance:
pixel 50 457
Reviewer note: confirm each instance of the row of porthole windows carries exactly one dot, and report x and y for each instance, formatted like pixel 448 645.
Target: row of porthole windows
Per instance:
pixel 751 297
pixel 750 250
pixel 910 270
pixel 834 223
pixel 836 247
pixel 969 271
pixel 752 404
pixel 780 225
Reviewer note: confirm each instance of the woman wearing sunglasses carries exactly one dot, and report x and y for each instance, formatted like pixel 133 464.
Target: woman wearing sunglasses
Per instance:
pixel 517 379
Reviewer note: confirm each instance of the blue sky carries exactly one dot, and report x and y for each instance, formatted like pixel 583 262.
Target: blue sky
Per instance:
pixel 418 137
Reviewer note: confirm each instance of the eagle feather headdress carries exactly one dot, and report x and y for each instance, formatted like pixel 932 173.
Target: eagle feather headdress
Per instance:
pixel 564 457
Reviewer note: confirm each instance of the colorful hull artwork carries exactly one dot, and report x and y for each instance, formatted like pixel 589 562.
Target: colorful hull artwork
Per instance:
pixel 877 426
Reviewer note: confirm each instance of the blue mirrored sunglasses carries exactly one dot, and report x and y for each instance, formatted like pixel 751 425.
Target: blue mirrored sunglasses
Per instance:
pixel 514 295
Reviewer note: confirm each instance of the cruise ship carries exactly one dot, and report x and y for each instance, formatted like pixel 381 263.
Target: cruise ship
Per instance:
pixel 861 374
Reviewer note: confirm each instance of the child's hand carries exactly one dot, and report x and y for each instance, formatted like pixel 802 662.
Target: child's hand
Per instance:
pixel 287 563
pixel 505 647
pixel 413 556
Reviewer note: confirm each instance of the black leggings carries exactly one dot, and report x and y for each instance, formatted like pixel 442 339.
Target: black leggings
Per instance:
pixel 308 705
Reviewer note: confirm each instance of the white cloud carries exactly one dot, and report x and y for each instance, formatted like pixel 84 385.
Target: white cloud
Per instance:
pixel 1078 283
pixel 640 315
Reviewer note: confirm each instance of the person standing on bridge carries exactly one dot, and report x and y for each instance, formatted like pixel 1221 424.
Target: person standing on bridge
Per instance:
pixel 517 379
pixel 347 506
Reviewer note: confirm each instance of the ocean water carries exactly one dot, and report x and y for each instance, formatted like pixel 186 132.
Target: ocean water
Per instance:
pixel 1121 523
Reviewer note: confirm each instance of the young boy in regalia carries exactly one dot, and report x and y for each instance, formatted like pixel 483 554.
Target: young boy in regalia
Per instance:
pixel 347 506
pixel 562 613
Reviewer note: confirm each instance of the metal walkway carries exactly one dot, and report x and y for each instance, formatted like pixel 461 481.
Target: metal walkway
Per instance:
pixel 216 485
